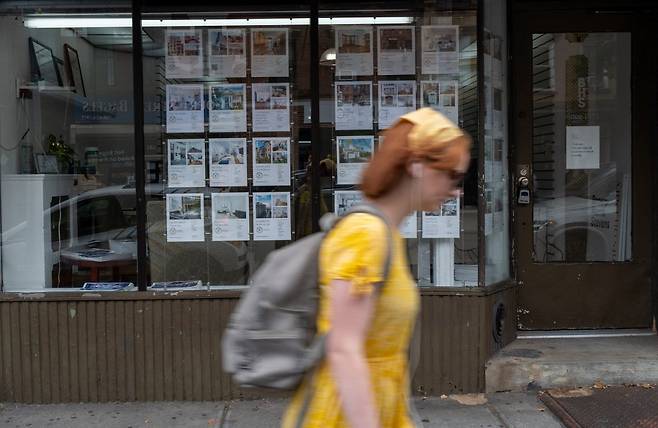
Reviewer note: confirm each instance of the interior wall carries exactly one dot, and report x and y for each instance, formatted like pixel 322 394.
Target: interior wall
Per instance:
pixel 14 64
pixel 106 75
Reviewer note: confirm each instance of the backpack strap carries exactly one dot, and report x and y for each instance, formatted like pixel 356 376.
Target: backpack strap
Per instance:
pixel 368 208
pixel 331 220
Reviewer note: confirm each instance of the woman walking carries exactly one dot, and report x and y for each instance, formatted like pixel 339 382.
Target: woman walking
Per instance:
pixel 363 381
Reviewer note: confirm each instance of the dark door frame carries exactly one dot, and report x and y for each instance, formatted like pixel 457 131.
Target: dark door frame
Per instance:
pixel 564 17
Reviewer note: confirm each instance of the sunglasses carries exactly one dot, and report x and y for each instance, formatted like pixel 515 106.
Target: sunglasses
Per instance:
pixel 457 177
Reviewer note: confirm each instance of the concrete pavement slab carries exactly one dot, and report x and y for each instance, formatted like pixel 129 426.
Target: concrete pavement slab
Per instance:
pixel 469 410
pixel 113 415
pixel 444 413
pixel 265 413
pixel 522 410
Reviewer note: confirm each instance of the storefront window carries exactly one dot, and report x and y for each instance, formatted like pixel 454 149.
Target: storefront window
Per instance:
pixel 375 72
pixel 496 176
pixel 228 145
pixel 66 150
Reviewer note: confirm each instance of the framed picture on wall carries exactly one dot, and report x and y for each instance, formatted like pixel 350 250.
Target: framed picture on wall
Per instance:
pixel 73 69
pixel 59 65
pixel 42 62
pixel 46 164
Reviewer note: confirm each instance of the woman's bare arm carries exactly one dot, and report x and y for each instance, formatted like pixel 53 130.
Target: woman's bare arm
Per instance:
pixel 350 317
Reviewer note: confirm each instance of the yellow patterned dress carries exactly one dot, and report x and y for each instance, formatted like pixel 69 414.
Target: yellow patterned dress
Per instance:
pixel 355 250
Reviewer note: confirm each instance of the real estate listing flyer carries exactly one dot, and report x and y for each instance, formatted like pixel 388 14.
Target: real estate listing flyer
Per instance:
pixel 396 53
pixel 353 105
pixel 187 163
pixel 442 223
pixel 353 51
pixel 271 216
pixel 183 54
pixel 228 111
pixel 396 97
pixel 271 161
pixel 353 154
pixel 228 166
pixel 269 52
pixel 185 217
pixel 226 52
pixel 185 108
pixel 440 49
pixel 271 107
pixel 230 216
pixel 442 96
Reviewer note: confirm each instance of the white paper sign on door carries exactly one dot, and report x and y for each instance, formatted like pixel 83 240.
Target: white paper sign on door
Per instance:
pixel 397 51
pixel 271 161
pixel 185 108
pixel 440 45
pixel 227 108
pixel 396 98
pixel 185 217
pixel 269 52
pixel 583 147
pixel 187 163
pixel 230 216
pixel 183 57
pixel 271 216
pixel 227 53
pixel 271 111
pixel 354 153
pixel 353 105
pixel 228 166
pixel 354 51
pixel 442 223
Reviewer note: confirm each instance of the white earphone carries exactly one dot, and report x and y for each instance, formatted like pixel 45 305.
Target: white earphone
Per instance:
pixel 416 170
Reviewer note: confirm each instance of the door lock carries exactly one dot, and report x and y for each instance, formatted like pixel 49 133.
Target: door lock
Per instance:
pixel 523 186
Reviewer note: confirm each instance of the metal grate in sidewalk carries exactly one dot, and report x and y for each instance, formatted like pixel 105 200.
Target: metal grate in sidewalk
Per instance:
pixel 605 406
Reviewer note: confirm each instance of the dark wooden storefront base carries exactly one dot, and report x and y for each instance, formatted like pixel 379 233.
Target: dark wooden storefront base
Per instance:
pixel 155 347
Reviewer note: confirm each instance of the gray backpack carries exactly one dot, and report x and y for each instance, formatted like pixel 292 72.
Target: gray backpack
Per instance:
pixel 271 340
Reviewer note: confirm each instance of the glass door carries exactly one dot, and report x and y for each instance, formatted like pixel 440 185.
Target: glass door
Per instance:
pixel 580 204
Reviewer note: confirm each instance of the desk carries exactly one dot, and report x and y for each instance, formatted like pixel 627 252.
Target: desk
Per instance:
pixel 98 259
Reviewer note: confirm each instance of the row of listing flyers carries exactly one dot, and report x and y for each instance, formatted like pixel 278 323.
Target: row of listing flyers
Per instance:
pixel 396 53
pixel 354 103
pixel 230 217
pixel 344 200
pixel 354 110
pixel 271 215
pixel 187 162
pixel 227 108
pixel 226 48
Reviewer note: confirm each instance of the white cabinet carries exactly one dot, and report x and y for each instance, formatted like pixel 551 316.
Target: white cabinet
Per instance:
pixel 27 249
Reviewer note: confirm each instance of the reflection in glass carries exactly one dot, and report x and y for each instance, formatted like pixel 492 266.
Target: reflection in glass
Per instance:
pixel 582 147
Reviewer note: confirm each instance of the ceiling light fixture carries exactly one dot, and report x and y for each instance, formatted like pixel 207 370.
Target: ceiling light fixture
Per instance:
pixel 120 22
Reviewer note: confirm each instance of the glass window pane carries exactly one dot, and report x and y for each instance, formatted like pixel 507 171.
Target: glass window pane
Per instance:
pixel 582 147
pixel 66 127
pixel 496 169
pixel 228 143
pixel 371 74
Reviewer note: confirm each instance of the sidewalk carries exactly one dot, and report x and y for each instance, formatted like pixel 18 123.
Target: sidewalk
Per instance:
pixel 473 410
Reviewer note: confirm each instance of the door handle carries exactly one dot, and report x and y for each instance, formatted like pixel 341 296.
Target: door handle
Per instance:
pixel 523 186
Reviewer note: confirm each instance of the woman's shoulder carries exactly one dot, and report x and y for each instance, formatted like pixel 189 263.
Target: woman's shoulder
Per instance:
pixel 355 250
pixel 358 229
